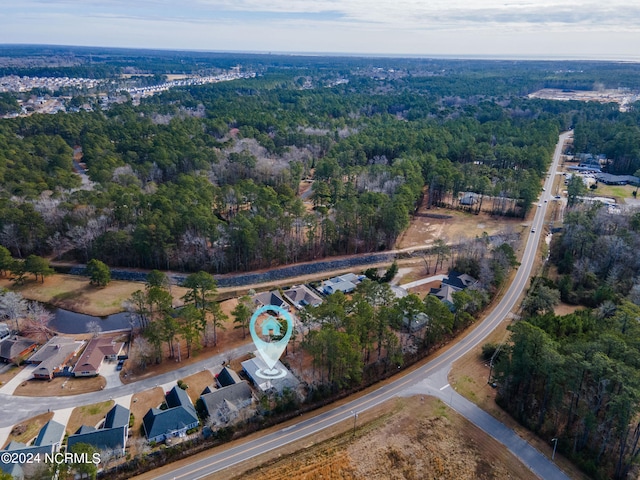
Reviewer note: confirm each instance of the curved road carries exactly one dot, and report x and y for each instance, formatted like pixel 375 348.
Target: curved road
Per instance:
pixel 430 378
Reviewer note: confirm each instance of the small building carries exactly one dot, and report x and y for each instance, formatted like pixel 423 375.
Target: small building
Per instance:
pixel 175 421
pixel 253 365
pixel 224 404
pixel 300 296
pixel 459 280
pixel 53 356
pixel 227 377
pixel 48 441
pixel 343 283
pixel 98 349
pixel 445 294
pixel 272 298
pixel 609 179
pixel 112 437
pixel 14 349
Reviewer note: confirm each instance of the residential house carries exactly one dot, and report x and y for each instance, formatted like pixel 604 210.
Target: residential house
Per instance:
pixel 112 437
pixel 459 280
pixel 227 377
pixel 343 283
pixel 98 349
pixel 15 348
pixel 451 284
pixel 179 417
pixel 48 441
pixel 53 356
pixel 300 296
pixel 253 365
pixel 224 404
pixel 270 298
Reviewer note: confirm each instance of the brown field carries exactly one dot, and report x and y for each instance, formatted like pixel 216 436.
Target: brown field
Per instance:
pixel 60 386
pixel 408 438
pixel 27 430
pixel 74 293
pixel 141 403
pixel 197 383
pixel 89 415
pixel 426 228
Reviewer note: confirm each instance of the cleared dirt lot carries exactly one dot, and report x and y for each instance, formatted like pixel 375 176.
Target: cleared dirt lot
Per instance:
pixel 409 438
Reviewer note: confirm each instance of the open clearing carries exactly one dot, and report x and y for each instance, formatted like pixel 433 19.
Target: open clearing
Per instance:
pixel 28 430
pixel 60 386
pixel 197 383
pixel 453 226
pixel 90 415
pixel 408 438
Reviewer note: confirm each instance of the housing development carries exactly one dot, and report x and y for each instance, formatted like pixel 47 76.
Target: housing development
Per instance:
pixel 378 263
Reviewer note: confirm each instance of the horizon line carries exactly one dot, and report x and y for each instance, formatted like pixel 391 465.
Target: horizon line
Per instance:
pixel 413 56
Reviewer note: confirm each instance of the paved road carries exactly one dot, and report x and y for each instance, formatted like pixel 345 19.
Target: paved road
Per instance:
pixel 430 378
pixel 13 409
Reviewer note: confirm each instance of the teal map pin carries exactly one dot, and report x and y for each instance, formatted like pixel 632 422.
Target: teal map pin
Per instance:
pixel 269 338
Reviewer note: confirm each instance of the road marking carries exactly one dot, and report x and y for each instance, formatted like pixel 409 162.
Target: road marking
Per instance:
pixel 446 386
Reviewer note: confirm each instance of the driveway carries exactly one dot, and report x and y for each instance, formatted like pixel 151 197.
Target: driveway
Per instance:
pixel 109 372
pixel 26 373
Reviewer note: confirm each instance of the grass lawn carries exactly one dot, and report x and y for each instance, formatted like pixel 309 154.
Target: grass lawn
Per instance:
pixel 619 191
pixel 197 382
pixel 60 386
pixel 28 429
pixel 89 415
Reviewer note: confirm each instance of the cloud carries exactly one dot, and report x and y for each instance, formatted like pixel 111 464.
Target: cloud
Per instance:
pixel 384 26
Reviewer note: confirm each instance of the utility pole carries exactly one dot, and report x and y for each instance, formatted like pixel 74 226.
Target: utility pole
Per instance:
pixel 355 419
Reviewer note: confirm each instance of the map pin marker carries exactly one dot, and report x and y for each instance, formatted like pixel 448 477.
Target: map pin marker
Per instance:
pixel 263 328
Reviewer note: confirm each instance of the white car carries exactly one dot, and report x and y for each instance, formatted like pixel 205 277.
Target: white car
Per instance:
pixel 533 230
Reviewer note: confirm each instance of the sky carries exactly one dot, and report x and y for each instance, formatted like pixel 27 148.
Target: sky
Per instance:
pixel 582 29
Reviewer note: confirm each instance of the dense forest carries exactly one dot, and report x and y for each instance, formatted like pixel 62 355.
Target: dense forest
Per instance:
pixel 208 177
pixel 576 377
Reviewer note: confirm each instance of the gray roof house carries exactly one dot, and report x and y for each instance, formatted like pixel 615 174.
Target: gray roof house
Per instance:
pixel 270 298
pixel 48 441
pixel 252 366
pixel 179 417
pixel 224 404
pixel 459 280
pixel 300 296
pixel 52 357
pixel 445 294
pixel 111 437
pixel 343 283
pixel 15 347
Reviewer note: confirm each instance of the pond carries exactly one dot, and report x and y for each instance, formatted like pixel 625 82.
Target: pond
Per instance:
pixel 66 321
